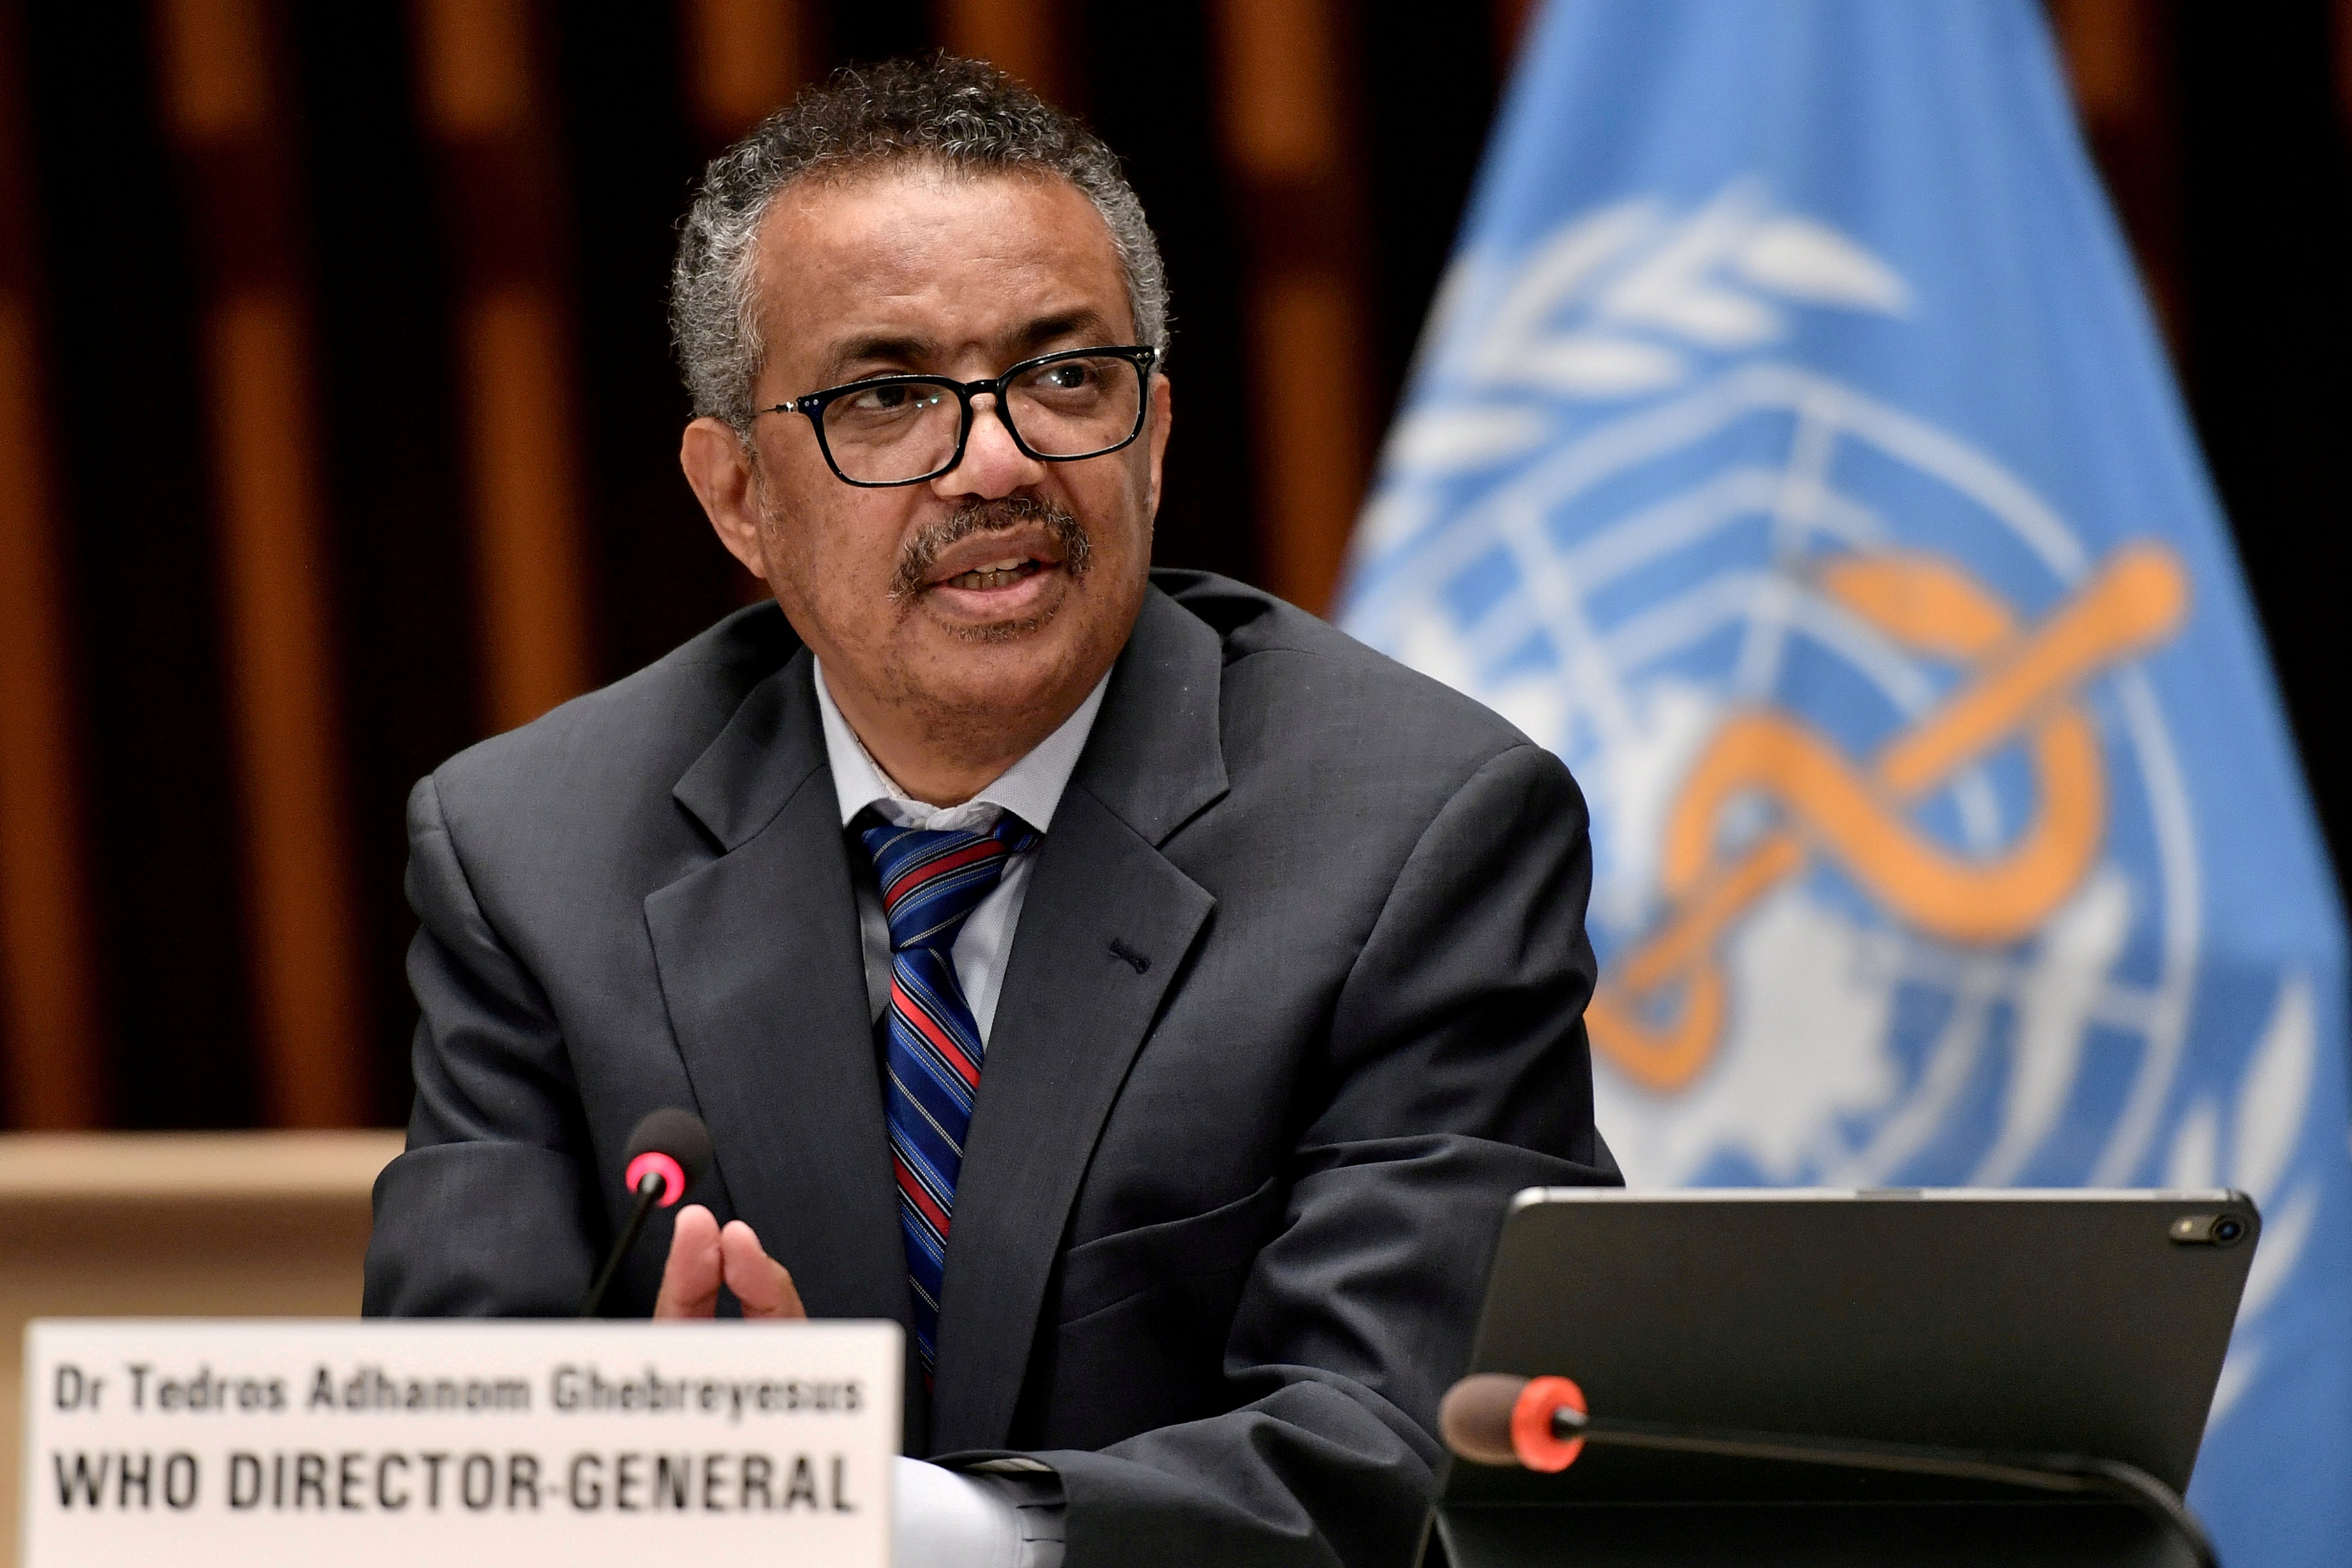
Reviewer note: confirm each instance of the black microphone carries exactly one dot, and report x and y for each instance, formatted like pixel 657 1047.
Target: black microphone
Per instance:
pixel 667 1155
pixel 1542 1424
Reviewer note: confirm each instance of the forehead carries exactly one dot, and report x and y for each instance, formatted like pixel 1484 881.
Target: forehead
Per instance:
pixel 952 258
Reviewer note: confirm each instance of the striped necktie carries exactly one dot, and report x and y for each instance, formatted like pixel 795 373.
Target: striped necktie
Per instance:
pixel 930 884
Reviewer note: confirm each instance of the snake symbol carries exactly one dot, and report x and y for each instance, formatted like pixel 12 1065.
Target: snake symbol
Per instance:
pixel 1660 1017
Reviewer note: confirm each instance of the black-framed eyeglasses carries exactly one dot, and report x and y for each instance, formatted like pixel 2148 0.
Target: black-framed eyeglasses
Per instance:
pixel 1058 408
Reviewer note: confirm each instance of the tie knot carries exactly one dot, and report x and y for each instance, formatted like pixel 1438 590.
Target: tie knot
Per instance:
pixel 932 880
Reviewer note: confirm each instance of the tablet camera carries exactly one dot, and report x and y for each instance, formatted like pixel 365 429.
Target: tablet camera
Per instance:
pixel 2208 1230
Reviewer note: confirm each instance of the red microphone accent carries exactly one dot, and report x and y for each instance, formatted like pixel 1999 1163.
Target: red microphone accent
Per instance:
pixel 673 1177
pixel 1531 1434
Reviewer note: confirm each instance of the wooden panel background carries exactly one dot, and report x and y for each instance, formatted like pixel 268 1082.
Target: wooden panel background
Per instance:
pixel 337 424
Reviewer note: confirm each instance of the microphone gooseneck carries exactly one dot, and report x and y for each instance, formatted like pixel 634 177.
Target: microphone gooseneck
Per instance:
pixel 1544 1423
pixel 667 1155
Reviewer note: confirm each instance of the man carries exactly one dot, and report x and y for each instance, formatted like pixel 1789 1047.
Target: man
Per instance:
pixel 1272 951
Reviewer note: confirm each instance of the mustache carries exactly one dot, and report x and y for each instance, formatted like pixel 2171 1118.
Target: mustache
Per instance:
pixel 921 551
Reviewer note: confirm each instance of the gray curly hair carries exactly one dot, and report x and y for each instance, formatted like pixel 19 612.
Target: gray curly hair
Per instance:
pixel 965 114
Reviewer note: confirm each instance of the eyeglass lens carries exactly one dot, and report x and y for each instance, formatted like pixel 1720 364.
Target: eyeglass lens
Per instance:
pixel 1066 408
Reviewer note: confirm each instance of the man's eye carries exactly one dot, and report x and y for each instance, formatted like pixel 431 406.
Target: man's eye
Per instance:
pixel 891 399
pixel 1070 375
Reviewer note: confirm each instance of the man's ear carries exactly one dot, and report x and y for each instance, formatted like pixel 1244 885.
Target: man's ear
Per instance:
pixel 1163 410
pixel 717 466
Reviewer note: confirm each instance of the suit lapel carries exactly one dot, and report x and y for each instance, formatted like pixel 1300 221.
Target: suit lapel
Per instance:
pixel 1106 924
pixel 763 975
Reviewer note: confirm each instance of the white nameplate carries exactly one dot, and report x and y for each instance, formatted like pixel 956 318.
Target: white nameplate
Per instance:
pixel 442 1444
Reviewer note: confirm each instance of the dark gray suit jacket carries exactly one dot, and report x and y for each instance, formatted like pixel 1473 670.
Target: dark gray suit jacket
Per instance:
pixel 1293 1006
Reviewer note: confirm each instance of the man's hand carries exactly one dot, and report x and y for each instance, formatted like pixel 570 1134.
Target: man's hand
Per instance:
pixel 702 1255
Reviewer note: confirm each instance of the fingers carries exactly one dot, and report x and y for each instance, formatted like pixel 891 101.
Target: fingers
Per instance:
pixel 689 1286
pixel 702 1257
pixel 759 1281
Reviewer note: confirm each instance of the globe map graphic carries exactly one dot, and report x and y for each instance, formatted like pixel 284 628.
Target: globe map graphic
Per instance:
pixel 1622 595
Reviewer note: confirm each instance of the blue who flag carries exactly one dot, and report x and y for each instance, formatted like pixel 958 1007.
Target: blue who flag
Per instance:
pixel 1792 452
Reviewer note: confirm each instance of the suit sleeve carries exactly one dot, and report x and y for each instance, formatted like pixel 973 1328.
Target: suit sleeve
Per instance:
pixel 1457 1073
pixel 484 1215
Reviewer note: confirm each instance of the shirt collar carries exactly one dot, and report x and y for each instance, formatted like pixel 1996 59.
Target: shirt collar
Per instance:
pixel 1030 789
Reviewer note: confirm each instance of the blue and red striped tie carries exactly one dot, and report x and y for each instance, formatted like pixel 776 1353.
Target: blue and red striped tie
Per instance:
pixel 931 881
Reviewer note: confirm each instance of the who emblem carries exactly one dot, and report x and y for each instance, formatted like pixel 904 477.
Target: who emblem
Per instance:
pixel 1897 879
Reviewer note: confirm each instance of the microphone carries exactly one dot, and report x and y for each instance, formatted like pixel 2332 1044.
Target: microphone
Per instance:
pixel 1543 1424
pixel 667 1155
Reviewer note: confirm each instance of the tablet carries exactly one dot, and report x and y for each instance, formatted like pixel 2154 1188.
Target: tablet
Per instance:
pixel 2068 1321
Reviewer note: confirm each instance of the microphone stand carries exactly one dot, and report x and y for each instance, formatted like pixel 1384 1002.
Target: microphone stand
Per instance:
pixel 2062 1473
pixel 650 1188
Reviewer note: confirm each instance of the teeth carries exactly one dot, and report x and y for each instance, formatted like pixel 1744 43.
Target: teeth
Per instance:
pixel 998 576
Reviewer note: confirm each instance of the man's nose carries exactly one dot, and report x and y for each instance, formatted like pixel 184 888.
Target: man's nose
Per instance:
pixel 993 463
